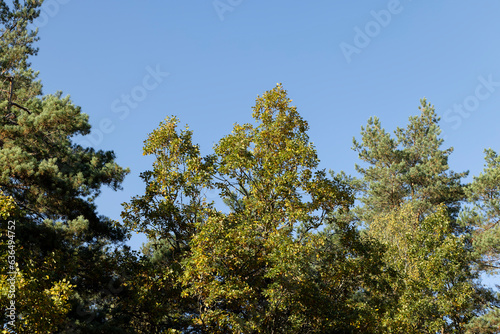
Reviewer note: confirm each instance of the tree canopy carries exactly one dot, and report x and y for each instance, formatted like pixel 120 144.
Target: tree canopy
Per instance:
pixel 286 247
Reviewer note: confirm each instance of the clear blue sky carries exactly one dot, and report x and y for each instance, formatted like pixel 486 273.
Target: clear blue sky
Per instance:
pixel 341 63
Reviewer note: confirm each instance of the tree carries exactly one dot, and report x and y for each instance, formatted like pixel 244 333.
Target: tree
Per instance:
pixel 487 324
pixel 484 216
pixel 436 288
pixel 62 244
pixel 250 268
pixel 272 261
pixel 167 213
pixel 409 167
pixel 410 203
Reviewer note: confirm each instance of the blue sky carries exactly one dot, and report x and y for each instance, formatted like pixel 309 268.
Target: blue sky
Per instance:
pixel 129 64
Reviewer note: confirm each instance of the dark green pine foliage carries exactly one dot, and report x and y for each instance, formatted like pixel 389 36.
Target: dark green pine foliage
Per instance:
pixel 484 193
pixel 410 202
pixel 484 217
pixel 488 324
pixel 408 167
pixel 59 235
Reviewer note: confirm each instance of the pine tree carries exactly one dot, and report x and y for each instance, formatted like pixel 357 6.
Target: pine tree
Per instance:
pixel 410 167
pixel 410 202
pixel 61 241
pixel 484 216
pixel 487 324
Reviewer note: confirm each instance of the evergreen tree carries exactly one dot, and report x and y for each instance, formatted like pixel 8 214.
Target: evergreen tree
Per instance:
pixel 487 324
pixel 409 167
pixel 62 244
pixel 484 216
pixel 410 203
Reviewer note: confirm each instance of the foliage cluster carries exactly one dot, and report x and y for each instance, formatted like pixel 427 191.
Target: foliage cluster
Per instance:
pixel 286 247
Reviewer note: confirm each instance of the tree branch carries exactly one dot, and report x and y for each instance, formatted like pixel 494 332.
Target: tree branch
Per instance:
pixel 20 107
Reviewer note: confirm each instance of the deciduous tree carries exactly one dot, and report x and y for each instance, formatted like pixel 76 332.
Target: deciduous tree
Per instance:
pixel 273 261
